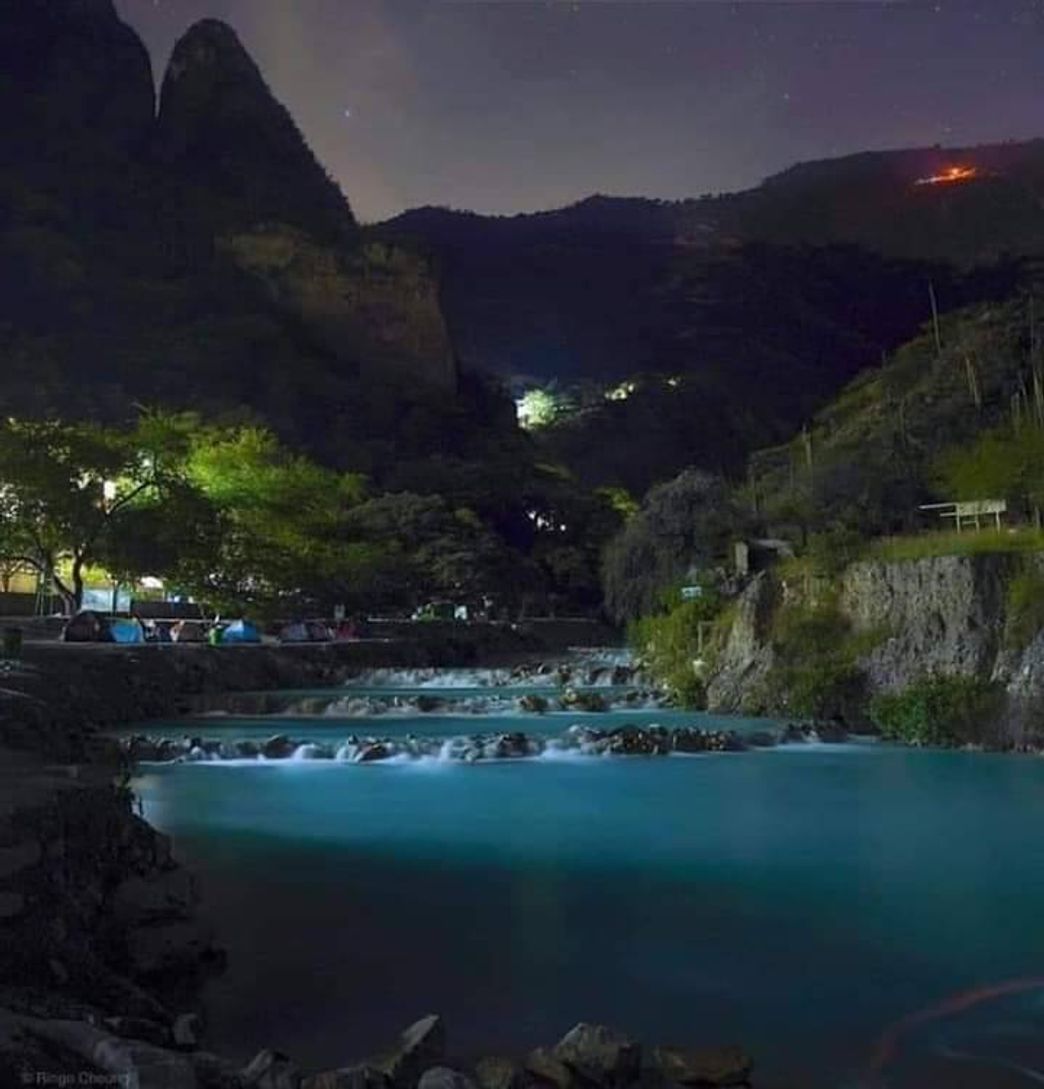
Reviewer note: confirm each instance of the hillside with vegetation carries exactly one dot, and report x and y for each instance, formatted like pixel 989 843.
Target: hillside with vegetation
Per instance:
pixel 871 611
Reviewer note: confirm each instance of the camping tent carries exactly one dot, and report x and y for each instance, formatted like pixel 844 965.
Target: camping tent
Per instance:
pixel 126 630
pixel 240 631
pixel 294 632
pixel 87 627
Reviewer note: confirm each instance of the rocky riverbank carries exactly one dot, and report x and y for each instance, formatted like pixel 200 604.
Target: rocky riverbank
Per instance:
pixel 63 1051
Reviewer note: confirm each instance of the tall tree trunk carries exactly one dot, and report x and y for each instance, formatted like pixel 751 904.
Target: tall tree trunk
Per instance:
pixel 77 581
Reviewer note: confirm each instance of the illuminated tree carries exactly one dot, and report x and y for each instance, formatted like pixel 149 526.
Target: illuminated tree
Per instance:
pixel 63 490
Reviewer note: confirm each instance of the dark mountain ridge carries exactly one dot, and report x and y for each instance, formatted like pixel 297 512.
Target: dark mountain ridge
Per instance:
pixel 196 254
pixel 765 302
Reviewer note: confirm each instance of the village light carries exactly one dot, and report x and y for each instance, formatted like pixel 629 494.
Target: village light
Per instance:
pixel 109 490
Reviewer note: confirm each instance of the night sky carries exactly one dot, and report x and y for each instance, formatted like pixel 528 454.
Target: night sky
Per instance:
pixel 514 106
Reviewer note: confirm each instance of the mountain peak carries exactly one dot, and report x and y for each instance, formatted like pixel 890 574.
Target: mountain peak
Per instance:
pixel 221 126
pixel 211 43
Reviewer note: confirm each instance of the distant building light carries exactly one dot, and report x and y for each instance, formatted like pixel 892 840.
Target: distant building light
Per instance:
pixel 621 392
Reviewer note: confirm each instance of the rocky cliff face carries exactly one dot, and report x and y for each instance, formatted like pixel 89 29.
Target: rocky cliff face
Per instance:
pixel 375 308
pixel 940 615
pixel 949 615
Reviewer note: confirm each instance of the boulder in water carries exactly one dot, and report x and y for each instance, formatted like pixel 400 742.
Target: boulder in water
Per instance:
pixel 508 746
pixel 278 748
pixel 535 705
pixel 376 750
pixel 830 731
pixel 705 1067
pixel 583 701
pixel 600 1055
pixel 634 741
pixel 792 733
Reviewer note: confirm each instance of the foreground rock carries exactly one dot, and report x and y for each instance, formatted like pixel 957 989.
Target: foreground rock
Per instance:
pixel 723 1066
pixel 39 1050
pixel 421 1046
pixel 600 1055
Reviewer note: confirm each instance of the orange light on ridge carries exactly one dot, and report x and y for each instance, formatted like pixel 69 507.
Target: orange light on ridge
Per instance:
pixel 950 176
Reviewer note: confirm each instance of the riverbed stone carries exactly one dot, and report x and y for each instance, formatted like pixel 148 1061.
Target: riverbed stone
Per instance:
pixel 421 1045
pixel 712 1067
pixel 362 1076
pixel 370 753
pixel 444 1077
pixel 496 1072
pixel 277 748
pixel 270 1069
pixel 548 1067
pixel 600 1054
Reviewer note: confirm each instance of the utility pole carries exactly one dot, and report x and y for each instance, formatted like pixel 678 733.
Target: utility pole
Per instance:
pixel 935 318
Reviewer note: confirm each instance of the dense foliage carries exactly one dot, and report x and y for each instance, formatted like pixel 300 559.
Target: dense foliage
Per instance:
pixel 815 674
pixel 684 525
pixel 232 516
pixel 675 645
pixel 1024 607
pixel 939 710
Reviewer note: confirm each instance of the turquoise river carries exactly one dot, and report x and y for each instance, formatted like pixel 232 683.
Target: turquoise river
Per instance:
pixel 854 915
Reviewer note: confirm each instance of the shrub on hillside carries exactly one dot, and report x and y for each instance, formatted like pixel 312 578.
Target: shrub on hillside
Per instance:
pixel 1024 608
pixel 938 710
pixel 815 675
pixel 670 645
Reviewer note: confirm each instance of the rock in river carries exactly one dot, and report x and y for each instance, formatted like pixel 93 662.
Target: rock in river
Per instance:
pixel 600 1055
pixel 717 1067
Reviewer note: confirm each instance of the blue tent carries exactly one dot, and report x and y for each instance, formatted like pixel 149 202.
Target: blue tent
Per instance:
pixel 240 631
pixel 126 630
